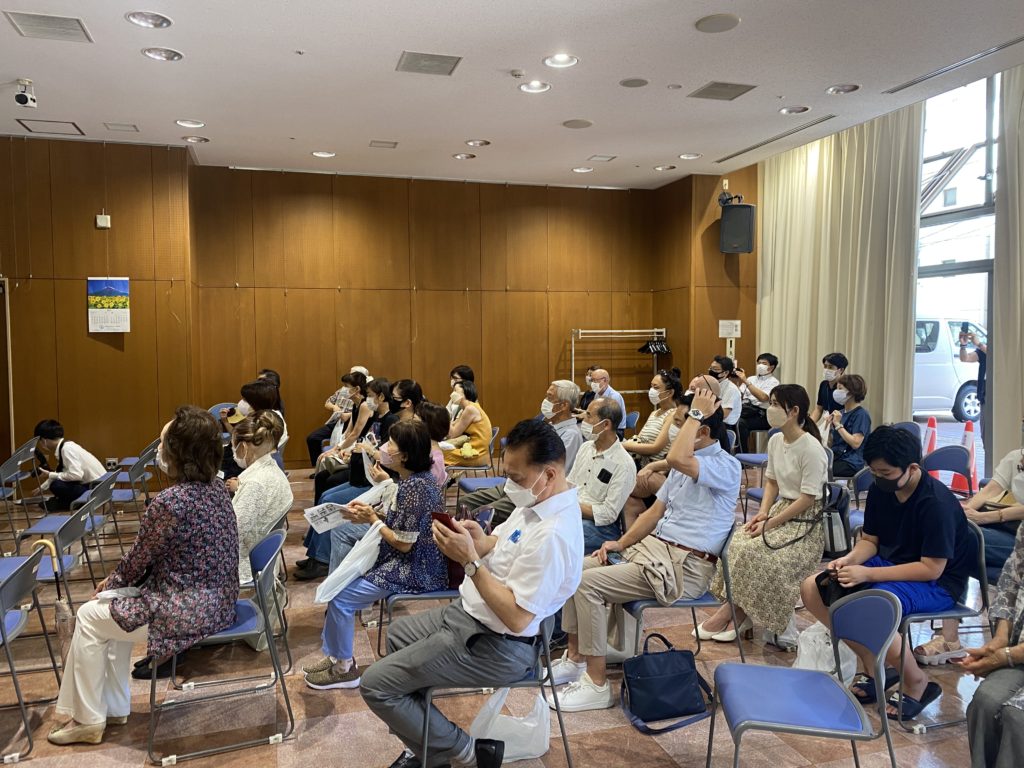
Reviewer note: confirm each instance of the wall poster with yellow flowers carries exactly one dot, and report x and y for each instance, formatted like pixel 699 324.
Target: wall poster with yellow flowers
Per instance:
pixel 109 308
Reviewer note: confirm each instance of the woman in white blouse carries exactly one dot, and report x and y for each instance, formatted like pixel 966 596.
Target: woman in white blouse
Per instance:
pixel 262 493
pixel 651 443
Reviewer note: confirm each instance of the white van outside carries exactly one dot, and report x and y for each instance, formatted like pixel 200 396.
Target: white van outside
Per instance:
pixel 943 384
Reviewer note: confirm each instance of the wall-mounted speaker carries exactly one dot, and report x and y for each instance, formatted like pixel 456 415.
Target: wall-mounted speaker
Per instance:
pixel 737 232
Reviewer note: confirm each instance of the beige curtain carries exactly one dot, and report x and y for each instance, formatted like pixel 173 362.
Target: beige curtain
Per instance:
pixel 839 223
pixel 1007 359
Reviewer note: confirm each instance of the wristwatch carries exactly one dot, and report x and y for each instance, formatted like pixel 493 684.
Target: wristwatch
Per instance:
pixel 472 567
pixel 696 413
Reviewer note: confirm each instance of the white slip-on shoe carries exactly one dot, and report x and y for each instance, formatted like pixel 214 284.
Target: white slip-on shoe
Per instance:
pixel 565 670
pixel 583 695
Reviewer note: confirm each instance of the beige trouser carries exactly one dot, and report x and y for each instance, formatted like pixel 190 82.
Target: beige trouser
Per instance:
pixel 97 673
pixel 586 614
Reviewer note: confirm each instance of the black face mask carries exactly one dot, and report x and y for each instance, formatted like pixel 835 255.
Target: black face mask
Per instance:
pixel 394 406
pixel 889 485
pixel 714 374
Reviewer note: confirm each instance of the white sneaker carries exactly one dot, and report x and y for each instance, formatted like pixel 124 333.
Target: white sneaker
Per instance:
pixel 565 670
pixel 583 695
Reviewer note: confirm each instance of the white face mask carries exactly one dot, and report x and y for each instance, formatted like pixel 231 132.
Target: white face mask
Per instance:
pixel 521 497
pixel 547 408
pixel 654 396
pixel 243 408
pixel 372 402
pixel 587 430
pixel 452 383
pixel 161 462
pixel 829 374
pixel 587 377
pixel 673 433
pixel 840 396
pixel 239 458
pixel 775 416
pixel 762 369
pixel 346 392
pixel 595 387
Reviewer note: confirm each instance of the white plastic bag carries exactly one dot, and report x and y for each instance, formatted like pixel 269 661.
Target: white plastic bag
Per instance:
pixel 814 651
pixel 357 562
pixel 525 737
pixel 787 640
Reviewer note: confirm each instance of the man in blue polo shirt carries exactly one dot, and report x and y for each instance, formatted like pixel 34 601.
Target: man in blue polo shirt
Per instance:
pixel 915 544
pixel 600 384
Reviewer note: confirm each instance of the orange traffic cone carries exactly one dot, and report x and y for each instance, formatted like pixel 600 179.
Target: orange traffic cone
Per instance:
pixel 929 439
pixel 967 441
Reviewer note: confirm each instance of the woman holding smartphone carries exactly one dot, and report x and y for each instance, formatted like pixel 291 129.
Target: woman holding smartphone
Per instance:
pixel 408 561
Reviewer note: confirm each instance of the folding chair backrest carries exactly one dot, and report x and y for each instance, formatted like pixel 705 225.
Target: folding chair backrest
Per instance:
pixel 216 409
pixel 138 469
pixel 910 426
pixel 870 617
pixel 490 445
pixel 19 585
pixel 104 489
pixel 982 572
pixel 74 529
pixel 281 523
pixel 25 453
pixel 949 458
pixel 262 558
pixel 862 481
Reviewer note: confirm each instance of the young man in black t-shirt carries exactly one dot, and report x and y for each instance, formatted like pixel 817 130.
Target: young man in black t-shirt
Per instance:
pixel 915 544
pixel 833 365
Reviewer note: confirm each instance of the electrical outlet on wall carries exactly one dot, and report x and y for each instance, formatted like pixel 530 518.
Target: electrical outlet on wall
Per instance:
pixel 111 463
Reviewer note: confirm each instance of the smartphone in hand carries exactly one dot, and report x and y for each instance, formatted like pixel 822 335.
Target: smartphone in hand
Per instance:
pixel 446 520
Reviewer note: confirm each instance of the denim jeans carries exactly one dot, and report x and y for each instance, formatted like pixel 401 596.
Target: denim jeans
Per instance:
pixel 596 535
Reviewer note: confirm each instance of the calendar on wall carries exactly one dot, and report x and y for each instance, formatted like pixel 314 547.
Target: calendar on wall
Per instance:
pixel 108 305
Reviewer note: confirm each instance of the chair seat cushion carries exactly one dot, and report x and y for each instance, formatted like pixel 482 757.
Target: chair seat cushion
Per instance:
pixel 247 622
pixel 14 622
pixel 636 607
pixel 122 495
pixel 45 572
pixel 471 484
pixel 800 698
pixel 9 565
pixel 47 524
pixel 441 594
pixel 752 459
pixel 755 493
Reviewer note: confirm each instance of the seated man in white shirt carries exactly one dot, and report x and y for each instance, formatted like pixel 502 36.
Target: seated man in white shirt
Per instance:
pixel 604 474
pixel 557 408
pixel 756 391
pixel 515 577
pixel 670 552
pixel 76 469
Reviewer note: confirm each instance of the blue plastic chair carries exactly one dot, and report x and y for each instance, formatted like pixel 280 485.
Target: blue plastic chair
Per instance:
pixel 15 588
pixel 474 484
pixel 756 460
pixel 486 469
pixel 632 419
pixel 387 606
pixel 252 621
pixel 66 531
pixel 807 702
pixel 11 475
pixel 636 608
pixel 950 458
pixel 225 437
pixel 910 426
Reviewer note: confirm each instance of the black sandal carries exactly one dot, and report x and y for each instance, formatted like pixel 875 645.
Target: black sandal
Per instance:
pixel 866 684
pixel 913 707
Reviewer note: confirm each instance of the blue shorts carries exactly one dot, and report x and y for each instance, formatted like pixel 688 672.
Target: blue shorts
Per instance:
pixel 914 596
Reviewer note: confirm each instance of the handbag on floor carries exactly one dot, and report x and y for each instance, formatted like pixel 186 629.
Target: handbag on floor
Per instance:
pixel 663 685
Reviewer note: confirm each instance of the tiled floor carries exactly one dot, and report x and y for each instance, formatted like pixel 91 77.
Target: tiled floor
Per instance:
pixel 335 728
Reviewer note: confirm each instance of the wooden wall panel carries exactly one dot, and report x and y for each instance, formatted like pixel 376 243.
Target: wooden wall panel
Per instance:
pixel 633 267
pixel 608 238
pixel 106 382
pixel 170 213
pixel 130 201
pixel 569 241
pixel 712 304
pixel 671 310
pixel 25 219
pixel 514 372
pixel 372 329
pixel 446 331
pixel 173 361
pixel 444 234
pixel 371 232
pixel 77 195
pixel 295 336
pixel 630 370
pixel 227 347
pixel 33 354
pixel 673 239
pixel 293 230
pixel 568 310
pixel 221 201
pixel 514 238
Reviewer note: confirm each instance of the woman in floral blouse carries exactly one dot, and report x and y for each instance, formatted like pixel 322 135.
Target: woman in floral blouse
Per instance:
pixel 177 584
pixel 995 717
pixel 408 561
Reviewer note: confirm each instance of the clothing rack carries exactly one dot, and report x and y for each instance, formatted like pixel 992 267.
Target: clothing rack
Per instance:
pixel 589 334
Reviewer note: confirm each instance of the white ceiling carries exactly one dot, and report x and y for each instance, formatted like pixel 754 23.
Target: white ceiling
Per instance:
pixel 266 106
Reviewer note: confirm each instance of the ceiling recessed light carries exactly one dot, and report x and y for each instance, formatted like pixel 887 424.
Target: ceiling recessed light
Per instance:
pixel 195 139
pixel 322 154
pixel 464 156
pixel 478 143
pixel 633 82
pixel 718 22
pixel 577 123
pixel 664 167
pixel 191 123
pixel 842 89
pixel 163 54
pixel 148 19
pixel 796 110
pixel 673 86
pixel 691 156
pixel 561 61
pixel 582 169
pixel 535 86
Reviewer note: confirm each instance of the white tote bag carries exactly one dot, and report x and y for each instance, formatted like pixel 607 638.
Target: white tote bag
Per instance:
pixel 525 737
pixel 814 651
pixel 357 562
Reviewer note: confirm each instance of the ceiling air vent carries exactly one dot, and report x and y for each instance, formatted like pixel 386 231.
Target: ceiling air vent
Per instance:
pixel 951 67
pixel 721 91
pixel 378 144
pixel 427 63
pixel 46 27
pixel 778 136
pixel 124 127
pixel 56 127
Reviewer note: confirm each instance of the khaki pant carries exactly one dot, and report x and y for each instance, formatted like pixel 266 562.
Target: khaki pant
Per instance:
pixel 586 614
pixel 97 673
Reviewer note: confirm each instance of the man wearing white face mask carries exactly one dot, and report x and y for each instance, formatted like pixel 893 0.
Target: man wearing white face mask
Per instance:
pixel 834 365
pixel 520 574
pixel 588 394
pixel 600 385
pixel 756 391
pixel 604 474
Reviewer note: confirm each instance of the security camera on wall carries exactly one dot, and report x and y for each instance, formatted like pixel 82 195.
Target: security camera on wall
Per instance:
pixel 26 95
